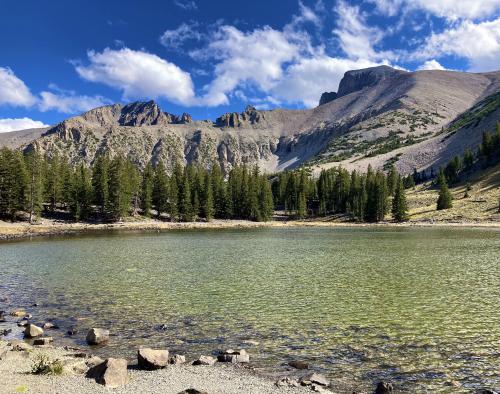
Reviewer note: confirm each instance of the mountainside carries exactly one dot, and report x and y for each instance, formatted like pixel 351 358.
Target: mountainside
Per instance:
pixel 378 116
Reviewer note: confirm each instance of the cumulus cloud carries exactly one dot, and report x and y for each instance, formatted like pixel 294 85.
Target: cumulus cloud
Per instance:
pixel 449 9
pixel 69 102
pixel 188 5
pixel 175 38
pixel 477 42
pixel 355 36
pixel 431 65
pixel 139 74
pixel 19 124
pixel 13 91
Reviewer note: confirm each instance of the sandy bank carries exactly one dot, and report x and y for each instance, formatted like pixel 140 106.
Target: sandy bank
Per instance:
pixel 48 227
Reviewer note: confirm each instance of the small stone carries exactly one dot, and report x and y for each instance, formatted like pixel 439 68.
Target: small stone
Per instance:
pixel 6 332
pixel 72 331
pixel 111 373
pixel 162 327
pixel 287 382
pixel 97 336
pixel 32 331
pixel 43 341
pixel 205 360
pixel 23 323
pixel 18 313
pixel 50 326
pixel 314 378
pixel 193 391
pixel 177 359
pixel 250 342
pixel 384 388
pixel 298 364
pixel 151 359
pixel 234 356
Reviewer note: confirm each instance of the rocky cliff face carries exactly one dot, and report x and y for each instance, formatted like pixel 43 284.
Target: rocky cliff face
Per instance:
pixel 379 116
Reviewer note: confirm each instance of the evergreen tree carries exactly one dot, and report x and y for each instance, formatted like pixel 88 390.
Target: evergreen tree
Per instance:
pixel 399 204
pixel 54 182
pixel 468 159
pixel 445 199
pixel 100 182
pixel 160 189
pixel 147 184
pixel 392 180
pixel 266 200
pixel 185 205
pixel 120 188
pixel 35 186
pixel 13 182
pixel 208 200
pixel 82 193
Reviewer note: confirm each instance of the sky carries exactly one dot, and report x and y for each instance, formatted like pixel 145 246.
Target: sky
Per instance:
pixel 59 58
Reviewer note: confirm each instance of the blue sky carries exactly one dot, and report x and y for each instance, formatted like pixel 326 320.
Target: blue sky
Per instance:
pixel 60 58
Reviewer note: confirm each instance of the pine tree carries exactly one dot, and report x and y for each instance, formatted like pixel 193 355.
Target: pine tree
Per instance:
pixel 392 180
pixel 54 182
pixel 468 159
pixel 399 204
pixel 13 182
pixel 185 205
pixel 147 190
pixel 82 193
pixel 35 189
pixel 445 199
pixel 266 200
pixel 120 188
pixel 100 182
pixel 208 200
pixel 160 189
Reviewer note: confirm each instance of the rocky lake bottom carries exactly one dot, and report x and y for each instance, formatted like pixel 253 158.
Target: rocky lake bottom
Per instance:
pixel 414 306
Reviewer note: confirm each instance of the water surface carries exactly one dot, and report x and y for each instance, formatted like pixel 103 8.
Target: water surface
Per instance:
pixel 418 306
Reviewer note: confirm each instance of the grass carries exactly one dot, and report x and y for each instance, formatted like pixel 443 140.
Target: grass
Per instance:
pixel 42 365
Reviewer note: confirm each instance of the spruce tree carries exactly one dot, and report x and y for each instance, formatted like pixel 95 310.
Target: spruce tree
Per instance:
pixel 185 204
pixel 392 180
pixel 208 200
pixel 13 182
pixel 120 188
pixel 35 186
pixel 399 204
pixel 100 182
pixel 147 190
pixel 160 189
pixel 266 200
pixel 445 199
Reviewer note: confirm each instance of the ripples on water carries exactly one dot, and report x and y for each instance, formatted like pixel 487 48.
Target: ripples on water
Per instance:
pixel 416 306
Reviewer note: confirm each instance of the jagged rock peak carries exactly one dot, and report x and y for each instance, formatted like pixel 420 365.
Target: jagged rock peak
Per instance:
pixel 327 97
pixel 234 119
pixel 356 80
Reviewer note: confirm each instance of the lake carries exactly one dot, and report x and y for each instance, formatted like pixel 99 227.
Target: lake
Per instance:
pixel 417 306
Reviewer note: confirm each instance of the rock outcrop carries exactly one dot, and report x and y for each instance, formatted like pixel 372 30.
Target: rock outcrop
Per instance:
pixel 327 97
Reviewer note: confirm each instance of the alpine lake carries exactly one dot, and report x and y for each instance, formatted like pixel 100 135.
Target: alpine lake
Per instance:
pixel 417 306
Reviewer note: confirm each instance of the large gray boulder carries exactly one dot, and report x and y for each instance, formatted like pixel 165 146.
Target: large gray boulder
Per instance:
pixel 32 331
pixel 151 359
pixel 97 336
pixel 111 373
pixel 205 360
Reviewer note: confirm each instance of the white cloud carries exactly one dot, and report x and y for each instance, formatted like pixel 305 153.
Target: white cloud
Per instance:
pixel 188 5
pixel 139 74
pixel 355 37
pixel 19 124
pixel 254 58
pixel 173 39
pixel 449 9
pixel 477 42
pixel 305 81
pixel 13 91
pixel 431 65
pixel 69 103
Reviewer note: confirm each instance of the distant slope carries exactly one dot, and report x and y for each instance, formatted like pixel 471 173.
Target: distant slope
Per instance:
pixel 378 115
pixel 16 139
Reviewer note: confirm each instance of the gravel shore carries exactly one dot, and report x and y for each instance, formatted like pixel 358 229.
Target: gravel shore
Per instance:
pixel 15 377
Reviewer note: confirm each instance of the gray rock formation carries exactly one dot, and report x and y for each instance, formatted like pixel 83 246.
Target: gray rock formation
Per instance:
pixel 379 115
pixel 151 359
pixel 97 336
pixel 327 97
pixel 111 373
pixel 32 331
pixel 204 360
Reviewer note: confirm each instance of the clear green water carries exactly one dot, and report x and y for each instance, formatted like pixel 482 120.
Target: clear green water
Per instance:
pixel 417 306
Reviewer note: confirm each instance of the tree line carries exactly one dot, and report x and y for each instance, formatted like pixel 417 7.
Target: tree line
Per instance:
pixel 365 197
pixel 114 188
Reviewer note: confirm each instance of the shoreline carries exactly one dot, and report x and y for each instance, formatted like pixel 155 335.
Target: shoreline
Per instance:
pixel 47 228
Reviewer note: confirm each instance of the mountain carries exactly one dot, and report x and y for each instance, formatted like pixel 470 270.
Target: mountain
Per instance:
pixel 378 116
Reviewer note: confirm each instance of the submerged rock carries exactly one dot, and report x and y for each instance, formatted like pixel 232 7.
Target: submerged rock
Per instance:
pixel 50 326
pixel 151 359
pixel 234 356
pixel 111 373
pixel 204 360
pixel 72 331
pixel 33 331
pixel 97 336
pixel 384 388
pixel 298 364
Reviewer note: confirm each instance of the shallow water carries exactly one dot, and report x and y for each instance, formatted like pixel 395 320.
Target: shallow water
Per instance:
pixel 418 306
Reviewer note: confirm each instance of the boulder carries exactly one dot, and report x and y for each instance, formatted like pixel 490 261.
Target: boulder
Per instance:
pixel 177 359
pixel 50 326
pixel 43 341
pixel 151 359
pixel 97 336
pixel 32 331
pixel 205 360
pixel 234 356
pixel 111 373
pixel 314 378
pixel 298 364
pixel 384 388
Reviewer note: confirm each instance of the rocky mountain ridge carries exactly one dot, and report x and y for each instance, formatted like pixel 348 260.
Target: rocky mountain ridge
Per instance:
pixel 379 115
